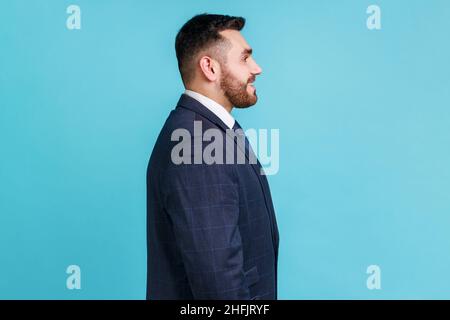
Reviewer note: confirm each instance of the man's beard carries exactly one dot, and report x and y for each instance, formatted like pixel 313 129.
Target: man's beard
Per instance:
pixel 236 91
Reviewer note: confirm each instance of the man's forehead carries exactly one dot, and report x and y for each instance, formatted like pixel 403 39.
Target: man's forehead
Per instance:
pixel 236 39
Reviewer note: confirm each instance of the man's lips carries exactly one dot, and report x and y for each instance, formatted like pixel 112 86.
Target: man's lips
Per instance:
pixel 251 83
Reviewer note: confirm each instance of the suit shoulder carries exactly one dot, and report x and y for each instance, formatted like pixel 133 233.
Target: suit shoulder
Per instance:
pixel 180 118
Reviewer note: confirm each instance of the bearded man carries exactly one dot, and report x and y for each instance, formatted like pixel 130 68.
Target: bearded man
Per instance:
pixel 211 225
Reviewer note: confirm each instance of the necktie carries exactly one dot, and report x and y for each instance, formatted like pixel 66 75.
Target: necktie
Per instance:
pixel 248 148
pixel 236 126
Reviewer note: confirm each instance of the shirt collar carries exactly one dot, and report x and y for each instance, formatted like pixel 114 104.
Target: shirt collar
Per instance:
pixel 214 107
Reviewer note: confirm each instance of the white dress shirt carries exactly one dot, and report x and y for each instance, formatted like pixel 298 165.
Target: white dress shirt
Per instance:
pixel 214 107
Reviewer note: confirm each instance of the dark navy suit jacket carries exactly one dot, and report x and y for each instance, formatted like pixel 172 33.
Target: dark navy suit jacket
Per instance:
pixel 211 228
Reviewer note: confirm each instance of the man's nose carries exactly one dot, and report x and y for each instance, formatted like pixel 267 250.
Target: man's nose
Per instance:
pixel 258 69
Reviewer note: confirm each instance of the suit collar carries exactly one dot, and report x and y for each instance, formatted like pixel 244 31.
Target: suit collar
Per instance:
pixel 192 104
pixel 213 106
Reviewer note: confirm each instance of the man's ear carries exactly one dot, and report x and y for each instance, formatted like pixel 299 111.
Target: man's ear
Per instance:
pixel 209 67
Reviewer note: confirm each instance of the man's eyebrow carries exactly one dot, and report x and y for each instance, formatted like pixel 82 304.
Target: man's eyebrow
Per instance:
pixel 247 51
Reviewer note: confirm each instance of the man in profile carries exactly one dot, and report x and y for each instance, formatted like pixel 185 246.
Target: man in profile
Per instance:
pixel 211 226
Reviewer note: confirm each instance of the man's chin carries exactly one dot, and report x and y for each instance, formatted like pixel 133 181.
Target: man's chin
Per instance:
pixel 248 103
pixel 244 98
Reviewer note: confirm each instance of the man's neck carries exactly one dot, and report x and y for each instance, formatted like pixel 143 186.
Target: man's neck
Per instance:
pixel 222 100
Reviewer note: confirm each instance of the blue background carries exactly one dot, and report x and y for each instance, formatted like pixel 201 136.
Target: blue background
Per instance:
pixel 364 142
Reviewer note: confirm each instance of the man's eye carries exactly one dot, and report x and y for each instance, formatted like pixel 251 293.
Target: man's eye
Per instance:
pixel 245 58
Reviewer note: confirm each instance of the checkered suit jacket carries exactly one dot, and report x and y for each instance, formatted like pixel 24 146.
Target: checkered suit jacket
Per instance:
pixel 211 228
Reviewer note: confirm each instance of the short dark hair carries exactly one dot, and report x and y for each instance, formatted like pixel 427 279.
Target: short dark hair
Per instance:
pixel 200 33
